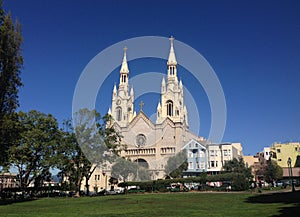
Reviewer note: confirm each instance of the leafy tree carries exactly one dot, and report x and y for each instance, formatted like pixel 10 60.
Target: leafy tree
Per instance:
pixel 124 169
pixel 273 171
pixel 36 147
pixel 11 62
pixel 176 165
pixel 91 144
pixel 239 171
pixel 237 166
pixel 297 163
pixel 143 174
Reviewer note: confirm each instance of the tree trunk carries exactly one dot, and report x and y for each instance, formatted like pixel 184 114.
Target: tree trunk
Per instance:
pixel 87 186
pixel 77 191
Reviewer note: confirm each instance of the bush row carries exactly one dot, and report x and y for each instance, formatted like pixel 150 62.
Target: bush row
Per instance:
pixel 238 182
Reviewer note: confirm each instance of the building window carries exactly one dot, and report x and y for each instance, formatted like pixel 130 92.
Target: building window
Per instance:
pixel 190 165
pixel 212 164
pixel 190 154
pixel 202 165
pixel 169 108
pixel 119 113
pixel 123 78
pixel 212 152
pixel 225 153
pixel 172 70
pixel 216 163
pixel 201 154
pixel 95 177
pixel 278 150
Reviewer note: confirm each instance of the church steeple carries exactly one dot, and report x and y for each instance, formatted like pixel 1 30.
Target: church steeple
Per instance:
pixel 123 100
pixel 172 98
pixel 172 57
pixel 124 73
pixel 172 63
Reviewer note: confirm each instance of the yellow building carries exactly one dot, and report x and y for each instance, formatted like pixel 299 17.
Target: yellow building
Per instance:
pixel 280 152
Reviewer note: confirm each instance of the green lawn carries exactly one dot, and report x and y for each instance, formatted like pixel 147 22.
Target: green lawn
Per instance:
pixel 169 204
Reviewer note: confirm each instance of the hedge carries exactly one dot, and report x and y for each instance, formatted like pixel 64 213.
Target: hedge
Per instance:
pixel 238 182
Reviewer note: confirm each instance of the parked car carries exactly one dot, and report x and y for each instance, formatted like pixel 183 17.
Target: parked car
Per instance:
pixel 111 192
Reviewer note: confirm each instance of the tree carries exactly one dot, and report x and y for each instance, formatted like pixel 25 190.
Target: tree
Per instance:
pixel 240 173
pixel 297 163
pixel 36 146
pixel 124 169
pixel 11 62
pixel 70 159
pixel 90 144
pixel 273 171
pixel 176 165
pixel 237 166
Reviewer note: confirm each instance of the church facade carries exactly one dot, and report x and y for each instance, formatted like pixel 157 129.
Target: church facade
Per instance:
pixel 148 143
pixel 151 144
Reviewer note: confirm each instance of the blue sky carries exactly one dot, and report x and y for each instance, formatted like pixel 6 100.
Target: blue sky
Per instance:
pixel 253 46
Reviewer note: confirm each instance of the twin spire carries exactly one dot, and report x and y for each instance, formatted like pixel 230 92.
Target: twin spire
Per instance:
pixel 172 58
pixel 172 69
pixel 124 67
pixel 171 103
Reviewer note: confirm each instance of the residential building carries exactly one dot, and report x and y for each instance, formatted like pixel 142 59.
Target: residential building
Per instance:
pixel 218 154
pixel 266 153
pixel 8 180
pixel 196 158
pixel 281 152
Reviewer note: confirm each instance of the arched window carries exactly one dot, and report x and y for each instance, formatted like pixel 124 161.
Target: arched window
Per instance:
pixel 172 68
pixel 119 114
pixel 169 108
pixel 124 78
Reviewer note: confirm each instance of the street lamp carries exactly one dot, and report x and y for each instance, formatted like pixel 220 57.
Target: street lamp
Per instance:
pixel 289 162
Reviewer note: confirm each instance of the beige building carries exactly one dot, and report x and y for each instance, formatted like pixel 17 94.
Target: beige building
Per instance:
pixel 280 152
pixel 8 180
pixel 218 154
pixel 98 181
pixel 254 163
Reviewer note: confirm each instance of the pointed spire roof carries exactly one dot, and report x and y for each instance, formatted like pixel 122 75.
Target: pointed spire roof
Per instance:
pixel 172 58
pixel 158 106
pixel 124 67
pixel 163 82
pixel 115 89
pixel 131 91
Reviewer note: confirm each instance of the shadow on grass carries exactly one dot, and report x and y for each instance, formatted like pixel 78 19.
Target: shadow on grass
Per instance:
pixel 292 198
pixel 11 201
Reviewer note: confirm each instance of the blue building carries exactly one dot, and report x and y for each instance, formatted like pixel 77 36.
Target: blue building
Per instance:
pixel 196 158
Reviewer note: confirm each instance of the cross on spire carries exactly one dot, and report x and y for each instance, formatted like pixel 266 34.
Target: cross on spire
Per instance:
pixel 125 49
pixel 141 105
pixel 172 58
pixel 172 40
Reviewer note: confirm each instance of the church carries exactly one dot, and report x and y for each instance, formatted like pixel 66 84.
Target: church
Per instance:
pixel 151 144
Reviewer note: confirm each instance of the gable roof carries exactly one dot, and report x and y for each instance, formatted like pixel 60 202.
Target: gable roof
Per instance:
pixel 193 142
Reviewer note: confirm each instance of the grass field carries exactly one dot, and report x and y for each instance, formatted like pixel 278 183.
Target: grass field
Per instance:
pixel 169 204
